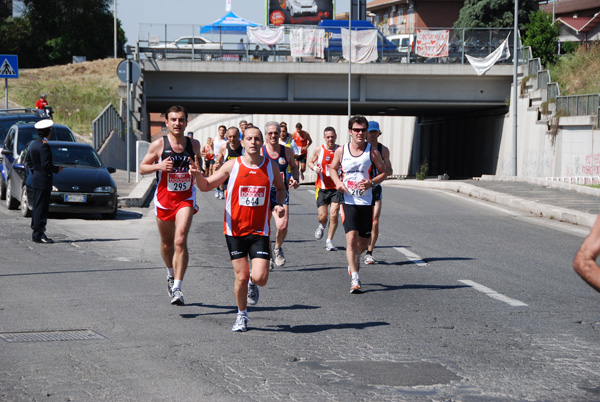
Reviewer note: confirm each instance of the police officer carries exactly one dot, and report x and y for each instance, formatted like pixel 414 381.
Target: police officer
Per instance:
pixel 40 180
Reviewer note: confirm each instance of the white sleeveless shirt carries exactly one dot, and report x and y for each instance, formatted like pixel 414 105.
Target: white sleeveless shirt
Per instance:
pixel 356 169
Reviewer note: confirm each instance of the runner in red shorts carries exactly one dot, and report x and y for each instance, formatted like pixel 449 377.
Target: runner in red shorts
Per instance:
pixel 175 197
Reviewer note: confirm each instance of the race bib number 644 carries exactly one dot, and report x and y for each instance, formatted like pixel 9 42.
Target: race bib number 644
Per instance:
pixel 252 196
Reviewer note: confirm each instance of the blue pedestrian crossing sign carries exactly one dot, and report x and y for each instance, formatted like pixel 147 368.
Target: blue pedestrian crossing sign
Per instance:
pixel 9 66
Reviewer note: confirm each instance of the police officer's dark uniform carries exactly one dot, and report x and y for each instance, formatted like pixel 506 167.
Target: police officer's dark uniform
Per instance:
pixel 40 180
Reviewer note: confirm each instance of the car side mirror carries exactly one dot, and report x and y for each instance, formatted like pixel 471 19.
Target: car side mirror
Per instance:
pixel 111 169
pixel 6 152
pixel 19 166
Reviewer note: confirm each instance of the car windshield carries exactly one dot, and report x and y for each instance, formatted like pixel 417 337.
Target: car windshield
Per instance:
pixel 58 134
pixel 77 156
pixel 5 126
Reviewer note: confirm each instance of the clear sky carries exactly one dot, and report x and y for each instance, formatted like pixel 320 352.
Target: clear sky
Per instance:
pixel 199 12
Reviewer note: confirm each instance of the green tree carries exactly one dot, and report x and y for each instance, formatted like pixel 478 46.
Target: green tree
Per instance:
pixel 52 32
pixel 493 13
pixel 542 35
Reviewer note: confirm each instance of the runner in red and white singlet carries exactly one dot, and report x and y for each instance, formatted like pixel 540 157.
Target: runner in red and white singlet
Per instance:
pixel 247 203
pixel 247 214
pixel 327 195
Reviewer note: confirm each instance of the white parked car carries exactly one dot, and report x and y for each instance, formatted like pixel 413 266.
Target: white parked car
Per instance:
pixel 184 47
pixel 297 7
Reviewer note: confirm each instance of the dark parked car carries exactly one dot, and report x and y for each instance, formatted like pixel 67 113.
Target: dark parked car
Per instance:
pixel 8 117
pixel 17 137
pixel 84 185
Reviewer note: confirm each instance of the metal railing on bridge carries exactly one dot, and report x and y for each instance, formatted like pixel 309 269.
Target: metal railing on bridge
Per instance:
pixel 160 41
pixel 107 122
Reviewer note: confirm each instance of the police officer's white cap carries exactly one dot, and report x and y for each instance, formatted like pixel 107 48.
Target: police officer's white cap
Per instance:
pixel 43 124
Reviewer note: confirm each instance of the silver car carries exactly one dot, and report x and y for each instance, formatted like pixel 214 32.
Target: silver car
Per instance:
pixel 187 47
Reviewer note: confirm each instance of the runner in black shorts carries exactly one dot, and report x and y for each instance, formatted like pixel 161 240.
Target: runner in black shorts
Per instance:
pixel 254 245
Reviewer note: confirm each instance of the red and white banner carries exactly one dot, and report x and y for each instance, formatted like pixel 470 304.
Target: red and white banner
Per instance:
pixel 227 5
pixel 433 43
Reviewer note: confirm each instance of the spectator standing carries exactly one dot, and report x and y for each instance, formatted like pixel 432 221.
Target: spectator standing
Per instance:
pixel 217 144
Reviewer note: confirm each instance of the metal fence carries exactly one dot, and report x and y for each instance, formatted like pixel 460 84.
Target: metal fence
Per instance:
pixel 107 122
pixel 157 41
pixel 578 105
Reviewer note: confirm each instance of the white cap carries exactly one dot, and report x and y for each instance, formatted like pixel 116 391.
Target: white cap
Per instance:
pixel 43 124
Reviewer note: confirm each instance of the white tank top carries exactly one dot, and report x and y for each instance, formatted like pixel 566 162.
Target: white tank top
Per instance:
pixel 356 169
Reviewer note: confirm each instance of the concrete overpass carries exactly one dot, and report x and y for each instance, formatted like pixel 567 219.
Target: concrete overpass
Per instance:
pixel 322 88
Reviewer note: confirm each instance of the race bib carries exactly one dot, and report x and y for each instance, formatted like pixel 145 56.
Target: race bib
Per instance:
pixel 326 168
pixel 252 196
pixel 353 188
pixel 179 181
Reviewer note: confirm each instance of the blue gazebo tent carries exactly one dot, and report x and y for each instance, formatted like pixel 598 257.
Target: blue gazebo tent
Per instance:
pixel 229 24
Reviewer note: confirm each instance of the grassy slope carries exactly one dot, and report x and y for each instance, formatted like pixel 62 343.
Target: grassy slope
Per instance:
pixel 76 92
pixel 578 73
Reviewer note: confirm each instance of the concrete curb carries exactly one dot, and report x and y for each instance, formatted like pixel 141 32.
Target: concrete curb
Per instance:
pixel 138 196
pixel 535 208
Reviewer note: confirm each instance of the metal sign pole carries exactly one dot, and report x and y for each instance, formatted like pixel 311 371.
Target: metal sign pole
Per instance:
pixel 127 140
pixel 515 81
pixel 350 69
pixel 6 92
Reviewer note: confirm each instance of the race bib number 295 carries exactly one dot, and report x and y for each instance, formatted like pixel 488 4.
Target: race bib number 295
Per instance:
pixel 179 181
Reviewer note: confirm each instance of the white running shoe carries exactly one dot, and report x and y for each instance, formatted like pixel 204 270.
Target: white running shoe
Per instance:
pixel 253 294
pixel 170 283
pixel 319 232
pixel 355 286
pixel 271 264
pixel 241 323
pixel 329 246
pixel 177 298
pixel 279 257
pixel 217 193
pixel 369 259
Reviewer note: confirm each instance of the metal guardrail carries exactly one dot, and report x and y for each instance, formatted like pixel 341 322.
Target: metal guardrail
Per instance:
pixel 108 121
pixel 578 105
pixel 154 39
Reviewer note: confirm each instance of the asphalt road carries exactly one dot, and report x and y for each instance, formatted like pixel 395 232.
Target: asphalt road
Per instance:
pixel 468 302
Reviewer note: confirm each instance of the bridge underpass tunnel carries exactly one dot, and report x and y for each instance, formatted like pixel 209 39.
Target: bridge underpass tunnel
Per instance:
pixel 463 146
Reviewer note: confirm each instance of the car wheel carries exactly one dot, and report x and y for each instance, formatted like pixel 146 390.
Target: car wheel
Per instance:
pixel 207 57
pixel 11 203
pixel 110 215
pixel 25 210
pixel 158 56
pixel 2 189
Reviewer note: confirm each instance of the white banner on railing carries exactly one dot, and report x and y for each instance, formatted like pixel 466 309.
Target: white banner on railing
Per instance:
pixel 265 36
pixel 227 5
pixel 364 45
pixel 432 43
pixel 307 42
pixel 483 64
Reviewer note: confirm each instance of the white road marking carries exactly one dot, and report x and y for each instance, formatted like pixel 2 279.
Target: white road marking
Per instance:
pixel 411 256
pixel 312 191
pixel 493 294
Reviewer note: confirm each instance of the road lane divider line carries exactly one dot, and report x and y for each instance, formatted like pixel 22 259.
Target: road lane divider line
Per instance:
pixel 312 191
pixel 412 257
pixel 493 294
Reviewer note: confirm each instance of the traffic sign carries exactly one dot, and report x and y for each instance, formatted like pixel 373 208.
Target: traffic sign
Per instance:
pixel 9 66
pixel 136 72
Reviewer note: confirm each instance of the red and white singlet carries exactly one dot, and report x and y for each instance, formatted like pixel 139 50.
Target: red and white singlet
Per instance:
pixel 324 180
pixel 247 209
